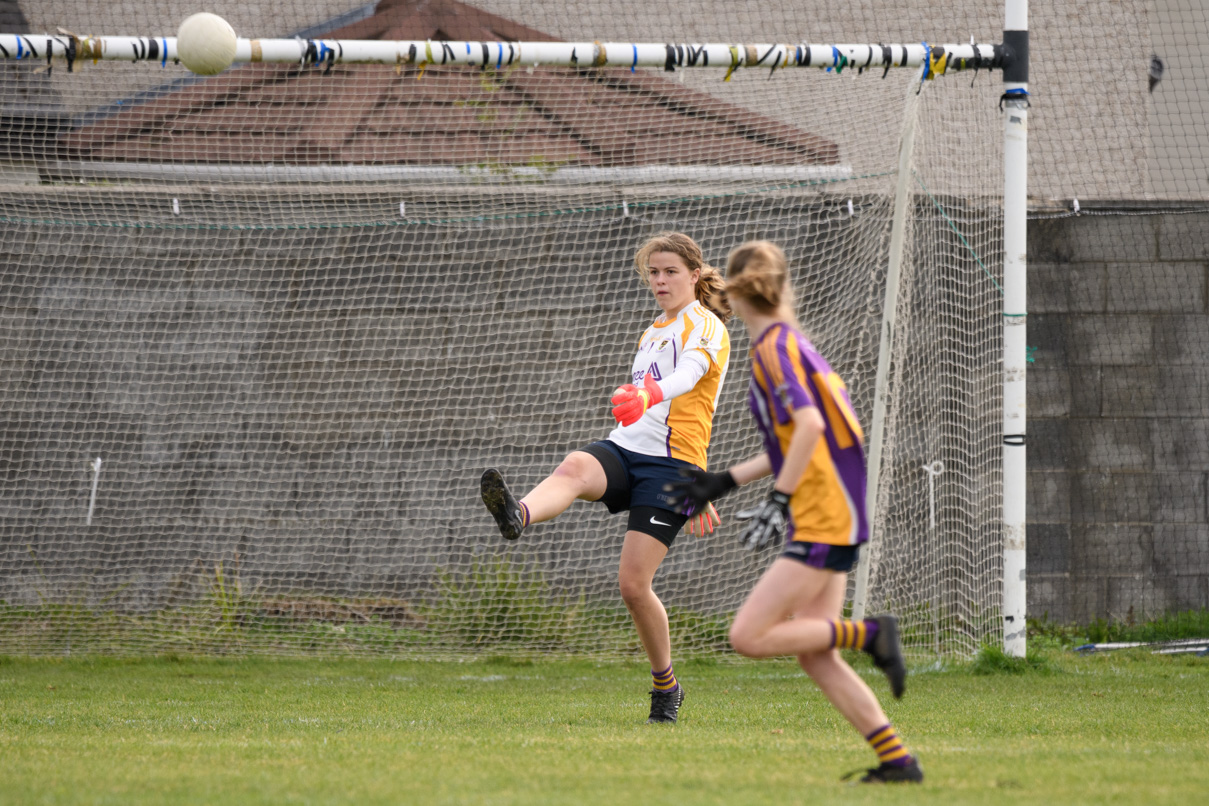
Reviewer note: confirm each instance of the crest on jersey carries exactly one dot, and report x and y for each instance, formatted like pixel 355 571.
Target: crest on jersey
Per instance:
pixel 662 345
pixel 782 392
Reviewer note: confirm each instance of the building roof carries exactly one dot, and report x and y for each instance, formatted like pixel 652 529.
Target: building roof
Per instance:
pixel 368 114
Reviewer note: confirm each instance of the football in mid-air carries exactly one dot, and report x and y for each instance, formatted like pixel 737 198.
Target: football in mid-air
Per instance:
pixel 205 43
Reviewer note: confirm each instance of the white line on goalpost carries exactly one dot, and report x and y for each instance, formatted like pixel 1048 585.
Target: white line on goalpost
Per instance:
pixel 1011 56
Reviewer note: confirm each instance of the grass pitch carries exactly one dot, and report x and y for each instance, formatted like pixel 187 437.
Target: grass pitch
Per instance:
pixel 1104 729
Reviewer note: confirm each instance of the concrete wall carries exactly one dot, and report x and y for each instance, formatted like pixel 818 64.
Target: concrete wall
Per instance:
pixel 1118 416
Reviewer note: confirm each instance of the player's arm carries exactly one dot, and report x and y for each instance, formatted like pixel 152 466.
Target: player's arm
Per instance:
pixel 767 519
pixel 630 402
pixel 757 467
pixel 808 426
pixel 698 488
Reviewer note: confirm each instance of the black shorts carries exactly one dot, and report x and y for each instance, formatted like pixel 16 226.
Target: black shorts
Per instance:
pixel 823 556
pixel 634 482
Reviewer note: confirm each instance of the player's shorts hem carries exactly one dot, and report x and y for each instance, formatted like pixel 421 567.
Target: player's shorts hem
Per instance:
pixel 823 556
pixel 661 524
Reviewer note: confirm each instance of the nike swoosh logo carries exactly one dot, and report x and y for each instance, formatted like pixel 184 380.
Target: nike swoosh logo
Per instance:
pixel 659 523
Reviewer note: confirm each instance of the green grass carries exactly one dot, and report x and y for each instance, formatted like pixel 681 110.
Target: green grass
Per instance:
pixel 1115 728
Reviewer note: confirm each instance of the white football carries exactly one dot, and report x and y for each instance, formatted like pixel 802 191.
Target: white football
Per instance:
pixel 205 44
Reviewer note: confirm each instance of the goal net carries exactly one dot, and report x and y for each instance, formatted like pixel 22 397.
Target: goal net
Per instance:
pixel 263 331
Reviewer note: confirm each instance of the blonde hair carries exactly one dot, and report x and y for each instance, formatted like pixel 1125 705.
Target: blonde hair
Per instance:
pixel 758 272
pixel 710 285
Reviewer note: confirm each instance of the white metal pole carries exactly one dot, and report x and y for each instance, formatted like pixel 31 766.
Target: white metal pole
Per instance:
pixel 898 228
pixel 1015 319
pixel 500 55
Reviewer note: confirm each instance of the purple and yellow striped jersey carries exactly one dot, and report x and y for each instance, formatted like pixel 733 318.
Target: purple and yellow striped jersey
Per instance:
pixel 787 373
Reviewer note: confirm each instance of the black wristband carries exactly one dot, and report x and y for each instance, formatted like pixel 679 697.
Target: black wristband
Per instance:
pixel 779 497
pixel 728 482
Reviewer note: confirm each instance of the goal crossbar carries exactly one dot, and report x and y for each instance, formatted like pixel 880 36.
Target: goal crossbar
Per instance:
pixel 498 55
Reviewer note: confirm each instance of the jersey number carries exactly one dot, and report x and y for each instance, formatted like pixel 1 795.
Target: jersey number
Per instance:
pixel 841 419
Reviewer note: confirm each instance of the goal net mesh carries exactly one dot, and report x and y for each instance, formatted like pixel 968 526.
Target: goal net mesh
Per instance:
pixel 262 332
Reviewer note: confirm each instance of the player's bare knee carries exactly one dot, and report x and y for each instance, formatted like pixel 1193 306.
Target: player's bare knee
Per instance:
pixel 633 591
pixel 744 641
pixel 573 470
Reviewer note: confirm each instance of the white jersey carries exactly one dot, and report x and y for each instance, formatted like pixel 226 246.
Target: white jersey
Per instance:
pixel 695 347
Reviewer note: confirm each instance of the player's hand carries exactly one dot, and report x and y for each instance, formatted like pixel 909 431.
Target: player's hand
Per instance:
pixel 703 521
pixel 697 489
pixel 630 402
pixel 767 520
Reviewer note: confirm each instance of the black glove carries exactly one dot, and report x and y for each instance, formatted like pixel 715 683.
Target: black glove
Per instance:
pixel 768 519
pixel 698 489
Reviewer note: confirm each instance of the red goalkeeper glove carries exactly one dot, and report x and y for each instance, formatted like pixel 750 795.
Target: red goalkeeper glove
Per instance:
pixel 704 521
pixel 630 402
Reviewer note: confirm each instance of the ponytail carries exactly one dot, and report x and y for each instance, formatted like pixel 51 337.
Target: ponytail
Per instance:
pixel 711 292
pixel 758 272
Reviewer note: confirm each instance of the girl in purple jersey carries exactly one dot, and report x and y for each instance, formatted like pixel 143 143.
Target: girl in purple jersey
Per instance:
pixel 814 450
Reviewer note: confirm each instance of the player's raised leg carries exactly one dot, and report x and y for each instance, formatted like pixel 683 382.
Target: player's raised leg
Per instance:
pixel 762 631
pixel 509 516
pixel 577 476
pixel 813 597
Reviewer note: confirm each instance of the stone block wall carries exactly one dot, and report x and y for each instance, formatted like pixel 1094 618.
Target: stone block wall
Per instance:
pixel 1118 448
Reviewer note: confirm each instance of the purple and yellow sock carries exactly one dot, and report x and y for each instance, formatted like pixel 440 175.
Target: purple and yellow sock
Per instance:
pixel 665 680
pixel 524 515
pixel 889 748
pixel 853 634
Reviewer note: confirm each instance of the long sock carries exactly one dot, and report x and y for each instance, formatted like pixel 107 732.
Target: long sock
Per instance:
pixel 524 515
pixel 665 680
pixel 853 634
pixel 889 748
